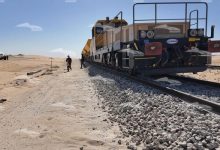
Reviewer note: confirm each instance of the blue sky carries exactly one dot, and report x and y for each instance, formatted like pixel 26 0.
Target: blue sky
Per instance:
pixel 61 27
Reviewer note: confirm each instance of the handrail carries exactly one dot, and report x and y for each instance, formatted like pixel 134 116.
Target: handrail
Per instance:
pixel 164 3
pixel 197 18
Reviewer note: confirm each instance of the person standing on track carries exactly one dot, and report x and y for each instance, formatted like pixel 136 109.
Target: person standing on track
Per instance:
pixel 69 63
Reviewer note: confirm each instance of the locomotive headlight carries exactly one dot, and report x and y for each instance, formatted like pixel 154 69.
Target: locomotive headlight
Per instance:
pixel 193 32
pixel 201 32
pixel 150 34
pixel 153 48
pixel 143 34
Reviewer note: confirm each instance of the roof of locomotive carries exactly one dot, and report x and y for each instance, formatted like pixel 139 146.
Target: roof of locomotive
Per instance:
pixel 112 22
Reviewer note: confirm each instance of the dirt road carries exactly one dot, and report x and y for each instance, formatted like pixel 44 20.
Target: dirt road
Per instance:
pixel 59 112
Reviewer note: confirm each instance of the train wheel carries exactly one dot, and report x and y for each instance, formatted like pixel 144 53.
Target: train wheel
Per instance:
pixel 103 59
pixel 132 72
pixel 113 60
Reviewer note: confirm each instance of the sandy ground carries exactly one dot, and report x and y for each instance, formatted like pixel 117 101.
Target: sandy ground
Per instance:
pixel 53 112
pixel 216 60
pixel 17 68
pixel 209 75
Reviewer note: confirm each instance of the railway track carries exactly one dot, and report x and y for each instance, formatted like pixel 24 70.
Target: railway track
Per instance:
pixel 177 93
pixel 213 67
pixel 147 81
pixel 202 82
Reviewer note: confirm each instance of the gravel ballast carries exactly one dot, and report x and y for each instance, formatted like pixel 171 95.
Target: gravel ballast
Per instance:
pixel 151 119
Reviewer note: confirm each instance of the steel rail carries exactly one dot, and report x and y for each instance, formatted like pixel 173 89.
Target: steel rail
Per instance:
pixel 176 93
pixel 199 81
pixel 214 66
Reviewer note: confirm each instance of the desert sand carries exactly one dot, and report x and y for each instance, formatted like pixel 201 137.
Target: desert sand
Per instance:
pixel 216 60
pixel 14 73
pixel 57 111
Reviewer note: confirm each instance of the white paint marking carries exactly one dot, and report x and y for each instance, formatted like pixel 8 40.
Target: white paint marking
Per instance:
pixel 170 81
pixel 62 105
pixel 27 132
pixel 2 108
